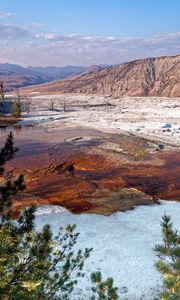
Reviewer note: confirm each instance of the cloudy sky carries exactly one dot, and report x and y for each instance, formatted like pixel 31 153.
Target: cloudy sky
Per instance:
pixel 86 32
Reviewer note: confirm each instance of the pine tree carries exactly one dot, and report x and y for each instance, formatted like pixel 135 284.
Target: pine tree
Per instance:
pixel 7 152
pixel 8 189
pixel 37 265
pixel 169 260
pixel 16 109
pixel 103 290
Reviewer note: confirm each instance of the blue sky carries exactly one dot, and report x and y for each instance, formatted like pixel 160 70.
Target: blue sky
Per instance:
pixel 61 32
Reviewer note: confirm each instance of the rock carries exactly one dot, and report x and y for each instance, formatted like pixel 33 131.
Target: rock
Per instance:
pixel 167 125
pixel 161 146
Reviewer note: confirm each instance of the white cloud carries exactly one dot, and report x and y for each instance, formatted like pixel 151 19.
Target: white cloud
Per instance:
pixel 11 32
pixel 50 36
pixel 6 15
pixel 27 45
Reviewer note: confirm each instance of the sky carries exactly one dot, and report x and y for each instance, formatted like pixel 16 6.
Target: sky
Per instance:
pixel 87 32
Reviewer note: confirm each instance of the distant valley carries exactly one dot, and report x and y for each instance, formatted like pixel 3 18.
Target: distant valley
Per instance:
pixel 15 76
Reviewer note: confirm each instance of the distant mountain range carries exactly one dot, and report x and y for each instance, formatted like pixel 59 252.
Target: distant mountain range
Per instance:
pixel 146 77
pixel 15 76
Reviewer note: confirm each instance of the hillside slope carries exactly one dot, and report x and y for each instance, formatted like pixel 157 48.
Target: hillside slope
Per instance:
pixel 15 76
pixel 147 77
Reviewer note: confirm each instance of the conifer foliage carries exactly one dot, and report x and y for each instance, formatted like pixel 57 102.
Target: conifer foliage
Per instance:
pixel 169 260
pixel 7 152
pixel 35 264
pixel 16 109
pixel 9 188
pixel 103 290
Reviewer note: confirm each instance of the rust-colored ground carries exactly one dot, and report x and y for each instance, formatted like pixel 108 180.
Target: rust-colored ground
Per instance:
pixel 71 177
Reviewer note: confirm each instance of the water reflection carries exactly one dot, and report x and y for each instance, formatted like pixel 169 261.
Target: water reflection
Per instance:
pixel 3 128
pixel 20 132
pixel 25 134
pixel 17 128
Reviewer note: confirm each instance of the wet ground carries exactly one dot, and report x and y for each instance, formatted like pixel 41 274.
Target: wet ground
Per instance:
pixel 86 170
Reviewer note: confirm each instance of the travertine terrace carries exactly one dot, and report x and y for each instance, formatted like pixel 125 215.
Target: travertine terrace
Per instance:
pixel 155 118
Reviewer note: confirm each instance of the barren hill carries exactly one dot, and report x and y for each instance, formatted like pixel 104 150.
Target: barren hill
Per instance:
pixel 15 76
pixel 146 77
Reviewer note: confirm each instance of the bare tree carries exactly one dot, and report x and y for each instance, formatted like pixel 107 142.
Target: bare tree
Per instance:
pixel 64 104
pixel 24 102
pixel 27 104
pixel 18 97
pixel 51 106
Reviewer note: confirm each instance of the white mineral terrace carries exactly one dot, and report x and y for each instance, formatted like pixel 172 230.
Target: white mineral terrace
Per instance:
pixel 153 118
pixel 122 246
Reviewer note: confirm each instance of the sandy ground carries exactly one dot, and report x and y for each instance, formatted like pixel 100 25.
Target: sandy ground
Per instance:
pixel 152 118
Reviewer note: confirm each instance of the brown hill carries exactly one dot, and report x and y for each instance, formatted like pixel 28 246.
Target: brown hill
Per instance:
pixel 146 77
pixel 15 76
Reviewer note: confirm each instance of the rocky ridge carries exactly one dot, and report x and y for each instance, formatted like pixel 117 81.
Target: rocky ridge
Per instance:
pixel 146 77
